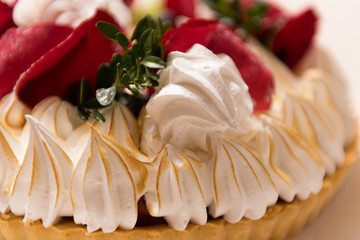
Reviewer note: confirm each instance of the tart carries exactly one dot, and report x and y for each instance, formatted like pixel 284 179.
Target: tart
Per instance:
pixel 230 142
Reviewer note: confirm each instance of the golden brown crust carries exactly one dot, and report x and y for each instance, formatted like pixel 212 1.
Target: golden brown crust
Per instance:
pixel 281 220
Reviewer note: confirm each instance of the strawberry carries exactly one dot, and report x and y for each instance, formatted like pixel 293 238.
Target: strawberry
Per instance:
pixel 6 20
pixel 220 39
pixel 181 8
pixel 20 47
pixel 287 36
pixel 258 78
pixel 293 40
pixel 78 56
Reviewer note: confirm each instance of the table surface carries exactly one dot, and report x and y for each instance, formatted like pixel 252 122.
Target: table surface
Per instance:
pixel 340 33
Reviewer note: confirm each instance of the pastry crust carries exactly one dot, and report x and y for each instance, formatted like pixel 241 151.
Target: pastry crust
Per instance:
pixel 280 220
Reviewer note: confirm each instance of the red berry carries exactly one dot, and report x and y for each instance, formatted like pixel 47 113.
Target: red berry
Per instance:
pixel 20 47
pixel 295 37
pixel 254 73
pixel 78 56
pixel 181 8
pixel 6 20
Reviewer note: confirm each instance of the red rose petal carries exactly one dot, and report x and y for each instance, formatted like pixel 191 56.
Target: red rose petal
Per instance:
pixel 254 73
pixel 20 47
pixel 182 38
pixel 6 20
pixel 287 36
pixel 221 39
pixel 80 55
pixel 181 7
pixel 294 39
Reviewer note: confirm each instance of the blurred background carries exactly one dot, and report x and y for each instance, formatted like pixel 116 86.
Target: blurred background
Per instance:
pixel 339 33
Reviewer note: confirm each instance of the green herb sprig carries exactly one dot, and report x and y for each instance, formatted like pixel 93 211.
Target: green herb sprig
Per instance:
pixel 135 69
pixel 249 19
pixel 228 10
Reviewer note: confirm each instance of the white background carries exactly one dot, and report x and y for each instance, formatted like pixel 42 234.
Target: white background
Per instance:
pixel 340 33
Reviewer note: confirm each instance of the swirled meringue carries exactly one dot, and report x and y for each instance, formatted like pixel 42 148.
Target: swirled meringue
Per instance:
pixel 241 183
pixel 315 103
pixel 103 190
pixel 295 166
pixel 180 188
pixel 200 93
pixel 9 166
pixel 12 113
pixel 68 12
pixel 41 188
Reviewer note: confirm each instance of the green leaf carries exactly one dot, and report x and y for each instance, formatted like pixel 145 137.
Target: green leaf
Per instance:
pixel 134 90
pixel 93 103
pixel 225 8
pixel 108 29
pixel 164 26
pixel 153 62
pixel 259 9
pixel 133 69
pixel 145 41
pixel 135 52
pixel 122 40
pixel 145 23
pixel 82 113
pixel 123 97
pixel 84 91
pixel 104 77
pixel 97 115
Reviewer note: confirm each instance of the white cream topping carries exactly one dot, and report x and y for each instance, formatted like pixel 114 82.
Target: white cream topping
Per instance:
pixel 204 148
pixel 9 167
pixel 245 180
pixel 180 188
pixel 200 93
pixel 41 188
pixel 294 165
pixel 68 12
pixel 315 103
pixel 103 190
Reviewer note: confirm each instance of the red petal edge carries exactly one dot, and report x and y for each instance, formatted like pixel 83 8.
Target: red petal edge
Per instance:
pixel 78 56
pixel 294 39
pixel 220 39
pixel 6 20
pixel 181 7
pixel 20 47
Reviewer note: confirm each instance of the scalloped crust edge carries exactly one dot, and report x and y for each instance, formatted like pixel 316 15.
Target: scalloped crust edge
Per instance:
pixel 280 220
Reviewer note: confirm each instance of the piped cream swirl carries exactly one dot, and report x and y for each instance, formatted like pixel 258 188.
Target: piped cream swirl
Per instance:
pixel 200 93
pixel 68 12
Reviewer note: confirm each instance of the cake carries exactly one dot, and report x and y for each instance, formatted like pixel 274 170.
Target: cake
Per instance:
pixel 242 131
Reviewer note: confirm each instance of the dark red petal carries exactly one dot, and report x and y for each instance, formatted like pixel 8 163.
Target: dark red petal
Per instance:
pixel 183 38
pixel 6 20
pixel 20 47
pixel 221 39
pixel 254 73
pixel 181 7
pixel 293 40
pixel 128 2
pixel 78 56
